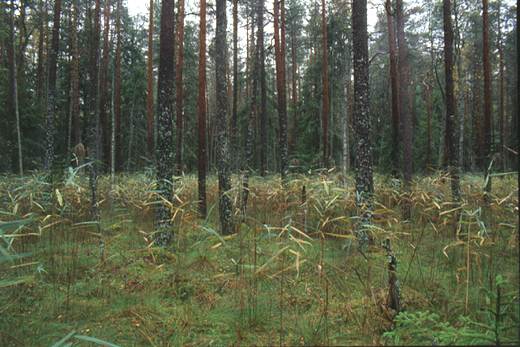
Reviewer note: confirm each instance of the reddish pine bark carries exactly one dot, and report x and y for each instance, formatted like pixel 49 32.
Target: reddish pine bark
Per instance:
pixel 451 116
pixel 325 79
pixel 393 84
pixel 104 93
pixel 486 126
pixel 179 89
pixel 201 111
pixel 149 88
pixel 118 165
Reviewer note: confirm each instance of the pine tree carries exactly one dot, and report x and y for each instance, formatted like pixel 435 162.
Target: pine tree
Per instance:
pixel 201 112
pixel 362 126
pixel 164 160
pixel 179 88
pixel 223 155
pixel 149 90
pixel 50 127
pixel 451 116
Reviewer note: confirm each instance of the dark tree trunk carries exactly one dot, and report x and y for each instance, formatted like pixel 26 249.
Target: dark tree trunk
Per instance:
pixel 294 90
pixel 393 84
pixel 118 165
pixel 74 78
pixel 149 88
pixel 179 89
pixel 234 116
pixel 13 73
pixel 486 126
pixel 501 103
pixel 405 114
pixel 51 89
pixel 260 75
pixel 165 110
pixel 223 155
pixel 40 69
pixel 325 78
pixel 201 111
pixel 451 116
pixel 104 93
pixel 362 126
pixel 279 43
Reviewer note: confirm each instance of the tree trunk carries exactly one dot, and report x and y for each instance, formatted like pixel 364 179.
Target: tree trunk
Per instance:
pixel 263 88
pixel 201 111
pixel 405 114
pixel 362 126
pixel 179 89
pixel 104 90
pixel 164 152
pixel 51 89
pixel 451 116
pixel 487 86
pixel 14 89
pixel 325 78
pixel 223 155
pixel 117 156
pixel 234 116
pixel 394 85
pixel 74 79
pixel 279 43
pixel 40 69
pixel 501 104
pixel 294 89
pixel 149 88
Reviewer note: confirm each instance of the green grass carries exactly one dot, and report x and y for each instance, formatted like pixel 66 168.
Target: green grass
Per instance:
pixel 268 284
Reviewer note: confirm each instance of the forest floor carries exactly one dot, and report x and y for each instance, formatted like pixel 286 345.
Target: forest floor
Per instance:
pixel 290 275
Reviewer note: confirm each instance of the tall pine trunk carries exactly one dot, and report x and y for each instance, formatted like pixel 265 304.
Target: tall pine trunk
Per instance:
pixel 74 79
pixel 451 114
pixel 362 126
pixel 325 79
pixel 104 93
pixel 179 89
pixel 394 85
pixel 234 114
pixel 13 73
pixel 261 76
pixel 405 114
pixel 486 126
pixel 149 88
pixel 279 42
pixel 116 145
pixel 201 111
pixel 50 127
pixel 164 160
pixel 223 155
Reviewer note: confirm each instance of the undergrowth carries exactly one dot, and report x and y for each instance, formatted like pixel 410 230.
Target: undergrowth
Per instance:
pixel 290 274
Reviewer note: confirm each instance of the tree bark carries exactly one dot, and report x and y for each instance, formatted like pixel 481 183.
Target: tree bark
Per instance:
pixel 201 112
pixel 294 90
pixel 325 78
pixel 75 96
pixel 14 89
pixel 234 116
pixel 405 114
pixel 486 151
pixel 394 85
pixel 260 75
pixel 117 156
pixel 104 93
pixel 149 88
pixel 279 43
pixel 362 124
pixel 179 88
pixel 51 89
pixel 451 114
pixel 223 155
pixel 165 110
